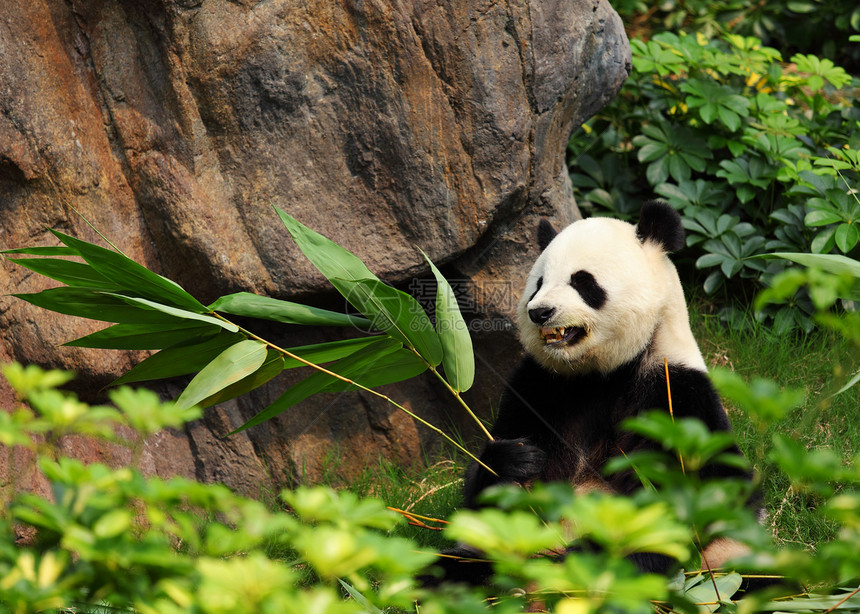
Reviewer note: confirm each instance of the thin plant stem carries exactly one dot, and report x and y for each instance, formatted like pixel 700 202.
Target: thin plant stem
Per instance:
pixel 671 411
pixel 840 602
pixel 460 399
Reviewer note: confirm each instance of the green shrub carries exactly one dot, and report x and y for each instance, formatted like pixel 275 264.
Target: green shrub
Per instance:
pixel 112 539
pixel 823 27
pixel 758 157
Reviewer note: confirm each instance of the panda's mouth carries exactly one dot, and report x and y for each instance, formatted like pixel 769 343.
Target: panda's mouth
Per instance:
pixel 563 334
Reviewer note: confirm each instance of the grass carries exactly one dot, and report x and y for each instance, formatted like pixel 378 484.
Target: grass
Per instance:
pixel 434 493
pixel 815 363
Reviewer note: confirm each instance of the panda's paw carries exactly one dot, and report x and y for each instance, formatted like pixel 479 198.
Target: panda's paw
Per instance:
pixel 514 460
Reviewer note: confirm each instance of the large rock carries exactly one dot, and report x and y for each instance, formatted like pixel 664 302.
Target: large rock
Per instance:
pixel 174 125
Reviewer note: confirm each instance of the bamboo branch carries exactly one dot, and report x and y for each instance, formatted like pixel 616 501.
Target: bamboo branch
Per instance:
pixel 412 415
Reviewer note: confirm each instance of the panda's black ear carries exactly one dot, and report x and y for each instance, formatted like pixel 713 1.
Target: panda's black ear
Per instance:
pixel 545 233
pixel 660 223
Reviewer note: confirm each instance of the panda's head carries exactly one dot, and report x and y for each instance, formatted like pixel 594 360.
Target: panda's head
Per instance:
pixel 603 292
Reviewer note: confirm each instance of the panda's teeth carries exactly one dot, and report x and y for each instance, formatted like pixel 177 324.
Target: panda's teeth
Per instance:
pixel 552 335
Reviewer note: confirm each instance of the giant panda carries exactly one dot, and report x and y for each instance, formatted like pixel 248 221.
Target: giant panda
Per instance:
pixel 602 309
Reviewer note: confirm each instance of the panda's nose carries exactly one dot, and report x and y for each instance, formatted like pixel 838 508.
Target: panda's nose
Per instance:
pixel 541 314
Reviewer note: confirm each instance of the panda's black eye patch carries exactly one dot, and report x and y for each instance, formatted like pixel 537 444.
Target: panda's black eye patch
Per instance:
pixel 588 288
pixel 539 284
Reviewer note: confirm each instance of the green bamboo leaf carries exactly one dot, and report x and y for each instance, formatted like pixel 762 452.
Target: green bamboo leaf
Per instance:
pixel 59 250
pixel 845 600
pixel 331 259
pixel 94 305
pixel 400 365
pixel 175 311
pixel 67 272
pixel 318 380
pixel 458 358
pixel 230 366
pixel 130 275
pixel 395 312
pixel 145 336
pixel 386 307
pixel 271 367
pixel 383 362
pixel 321 353
pixel 186 357
pixel 266 308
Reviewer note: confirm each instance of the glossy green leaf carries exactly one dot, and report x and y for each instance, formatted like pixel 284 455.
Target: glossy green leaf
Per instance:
pixel 709 260
pixel 383 362
pixel 187 357
pixel 266 308
pixel 831 263
pixel 821 218
pixel 458 358
pixel 58 250
pixel 176 312
pixel 840 601
pixel 321 353
pixel 230 366
pixel 130 275
pixel 651 151
pixel 800 7
pixel 395 312
pixel 824 241
pixel 94 305
pixel 67 272
pixel 317 381
pixel 710 595
pixel 331 259
pixel 144 336
pixel 271 367
pixel 658 171
pixel 503 534
pixel 400 365
pixel 846 237
pixel 713 281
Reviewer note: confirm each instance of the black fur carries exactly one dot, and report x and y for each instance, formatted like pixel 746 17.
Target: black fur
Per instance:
pixel 573 422
pixel 588 288
pixel 553 427
pixel 660 223
pixel 545 233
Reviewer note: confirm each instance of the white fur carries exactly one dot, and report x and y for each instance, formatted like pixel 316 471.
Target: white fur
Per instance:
pixel 644 309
